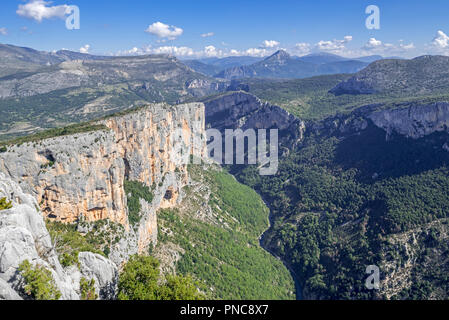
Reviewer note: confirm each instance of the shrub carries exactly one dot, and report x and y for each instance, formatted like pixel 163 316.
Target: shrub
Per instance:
pixel 4 204
pixel 180 288
pixel 49 164
pixel 3 149
pixel 140 280
pixel 39 282
pixel 69 242
pixel 135 191
pixel 87 289
pixel 69 259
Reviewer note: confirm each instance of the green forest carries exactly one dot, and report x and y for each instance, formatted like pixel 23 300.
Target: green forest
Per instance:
pixel 340 204
pixel 222 248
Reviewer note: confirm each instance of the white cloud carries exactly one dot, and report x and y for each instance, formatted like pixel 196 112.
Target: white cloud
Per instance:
pixel 406 47
pixel 302 49
pixel 211 51
pixel 85 49
pixel 373 43
pixel 40 10
pixel 377 46
pixel 270 44
pixel 173 50
pixel 170 50
pixel 186 52
pixel 441 40
pixel 334 46
pixel 256 52
pixel 163 30
pixel 133 51
pixel 3 31
pixel 207 35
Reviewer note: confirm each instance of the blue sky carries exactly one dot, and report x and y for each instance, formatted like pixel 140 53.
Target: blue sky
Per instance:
pixel 408 28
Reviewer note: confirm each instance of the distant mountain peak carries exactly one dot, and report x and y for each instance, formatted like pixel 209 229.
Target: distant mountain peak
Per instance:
pixel 279 55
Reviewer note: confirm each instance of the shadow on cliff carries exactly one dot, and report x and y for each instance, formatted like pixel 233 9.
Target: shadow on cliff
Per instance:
pixel 376 158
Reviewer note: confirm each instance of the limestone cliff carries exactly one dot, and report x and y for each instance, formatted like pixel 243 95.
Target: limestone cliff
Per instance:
pixel 83 175
pixel 413 121
pixel 24 236
pixel 241 110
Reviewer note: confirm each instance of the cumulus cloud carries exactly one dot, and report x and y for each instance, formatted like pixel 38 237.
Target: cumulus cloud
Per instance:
pixel 39 10
pixel 187 52
pixel 373 43
pixel 441 40
pixel 270 44
pixel 256 52
pixel 172 50
pixel 163 30
pixel 406 47
pixel 3 31
pixel 333 46
pixel 85 49
pixel 211 51
pixel 302 48
pixel 207 35
pixel 377 46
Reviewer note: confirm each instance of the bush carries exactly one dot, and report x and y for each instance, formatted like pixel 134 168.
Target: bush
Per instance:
pixel 180 288
pixel 87 289
pixel 140 280
pixel 4 204
pixel 39 282
pixel 69 242
pixel 135 191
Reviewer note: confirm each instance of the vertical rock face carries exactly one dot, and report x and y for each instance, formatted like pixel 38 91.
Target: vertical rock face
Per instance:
pixel 241 110
pixel 415 121
pixel 84 174
pixel 23 236
pixel 103 271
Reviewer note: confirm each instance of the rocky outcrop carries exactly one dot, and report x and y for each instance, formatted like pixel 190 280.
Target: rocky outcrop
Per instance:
pixel 83 175
pixel 7 293
pixel 414 121
pixel 204 87
pixel 241 110
pixel 103 271
pixel 24 236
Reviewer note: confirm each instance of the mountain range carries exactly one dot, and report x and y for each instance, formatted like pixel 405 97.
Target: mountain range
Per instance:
pixel 280 65
pixel 42 90
pixel 425 74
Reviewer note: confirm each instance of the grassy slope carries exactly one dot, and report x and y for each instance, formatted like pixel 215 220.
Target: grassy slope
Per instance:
pixel 222 245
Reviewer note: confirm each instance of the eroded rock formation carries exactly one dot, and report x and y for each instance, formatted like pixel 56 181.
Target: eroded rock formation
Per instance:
pixel 241 110
pixel 83 175
pixel 24 236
